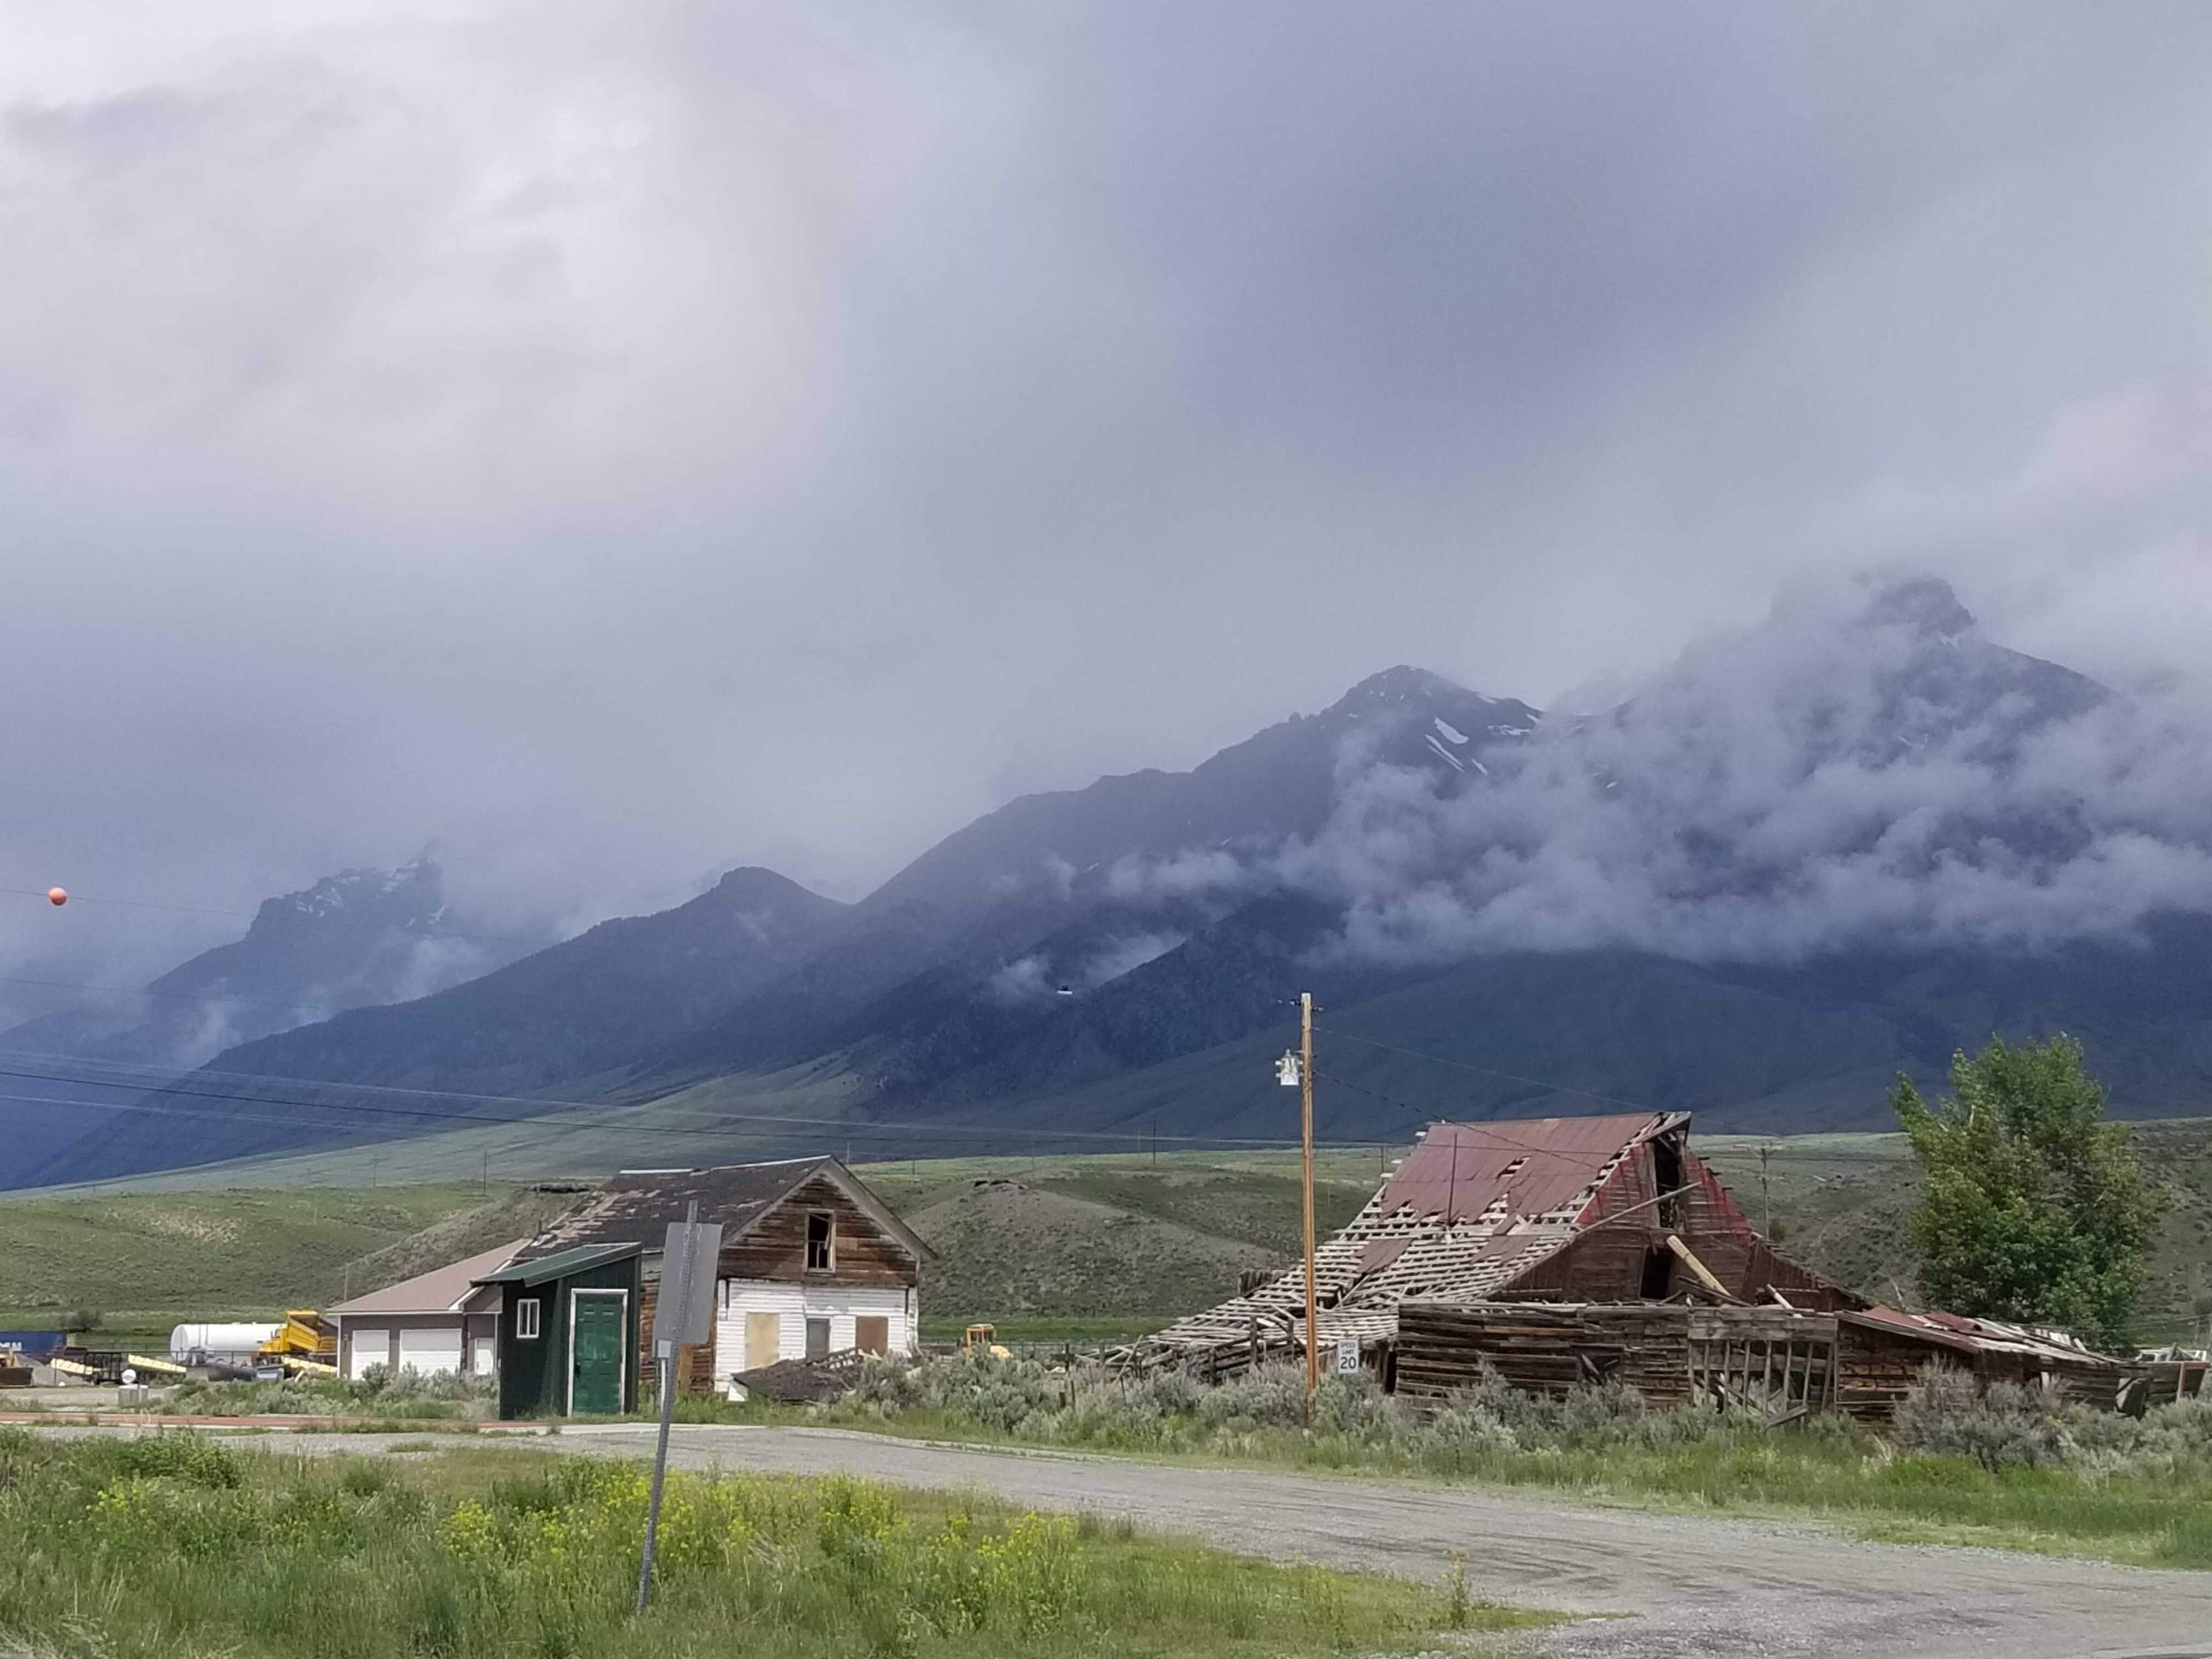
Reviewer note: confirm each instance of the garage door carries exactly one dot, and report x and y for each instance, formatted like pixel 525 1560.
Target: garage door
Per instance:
pixel 430 1350
pixel 366 1345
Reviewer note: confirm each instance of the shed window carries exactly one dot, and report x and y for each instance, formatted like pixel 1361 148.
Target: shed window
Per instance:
pixel 818 1338
pixel 821 1241
pixel 525 1318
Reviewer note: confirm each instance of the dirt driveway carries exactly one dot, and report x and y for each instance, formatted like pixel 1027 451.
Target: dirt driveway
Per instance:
pixel 1689 1589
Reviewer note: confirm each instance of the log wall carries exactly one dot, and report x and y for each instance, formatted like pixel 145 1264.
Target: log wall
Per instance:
pixel 1774 1360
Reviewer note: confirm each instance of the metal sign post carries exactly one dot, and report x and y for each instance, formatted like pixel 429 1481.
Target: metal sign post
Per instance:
pixel 679 1320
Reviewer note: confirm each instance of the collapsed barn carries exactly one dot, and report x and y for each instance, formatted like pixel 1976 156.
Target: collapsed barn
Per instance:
pixel 1560 1251
pixel 1574 1209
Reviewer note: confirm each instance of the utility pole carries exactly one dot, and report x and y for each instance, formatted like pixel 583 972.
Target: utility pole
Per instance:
pixel 1765 1193
pixel 1306 1091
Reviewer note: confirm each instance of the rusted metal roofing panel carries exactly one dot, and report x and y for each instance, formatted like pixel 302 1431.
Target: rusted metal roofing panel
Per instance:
pixel 1535 1167
pixel 1962 1334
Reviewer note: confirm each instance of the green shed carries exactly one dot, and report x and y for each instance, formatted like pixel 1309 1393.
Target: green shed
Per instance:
pixel 568 1332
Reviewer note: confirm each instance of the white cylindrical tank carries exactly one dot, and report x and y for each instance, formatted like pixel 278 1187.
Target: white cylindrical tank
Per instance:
pixel 235 1343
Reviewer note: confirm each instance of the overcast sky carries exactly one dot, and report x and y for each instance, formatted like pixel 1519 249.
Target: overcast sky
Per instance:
pixel 620 441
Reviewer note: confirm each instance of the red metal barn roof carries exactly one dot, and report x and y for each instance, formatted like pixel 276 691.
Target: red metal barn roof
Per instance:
pixel 1472 1207
pixel 1532 1168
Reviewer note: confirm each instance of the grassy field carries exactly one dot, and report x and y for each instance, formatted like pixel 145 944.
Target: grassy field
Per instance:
pixel 179 1546
pixel 1051 1250
pixel 144 1261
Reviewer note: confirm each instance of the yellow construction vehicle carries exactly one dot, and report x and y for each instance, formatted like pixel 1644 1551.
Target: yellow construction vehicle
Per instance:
pixel 986 1338
pixel 305 1336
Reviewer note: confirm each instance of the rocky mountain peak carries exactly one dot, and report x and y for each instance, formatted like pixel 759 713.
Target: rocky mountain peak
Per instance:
pixel 1926 604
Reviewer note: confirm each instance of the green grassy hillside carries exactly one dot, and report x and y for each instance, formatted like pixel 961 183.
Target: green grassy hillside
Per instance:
pixel 1084 1247
pixel 146 1261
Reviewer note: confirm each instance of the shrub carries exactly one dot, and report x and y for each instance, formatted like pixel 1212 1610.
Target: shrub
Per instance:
pixel 1949 1414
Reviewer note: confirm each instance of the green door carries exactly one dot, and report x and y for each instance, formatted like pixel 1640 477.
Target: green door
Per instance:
pixel 595 1350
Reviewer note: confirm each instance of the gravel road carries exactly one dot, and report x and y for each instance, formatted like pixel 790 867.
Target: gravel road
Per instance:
pixel 1690 1588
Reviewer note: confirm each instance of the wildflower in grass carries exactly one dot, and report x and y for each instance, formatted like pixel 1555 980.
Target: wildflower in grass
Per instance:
pixel 470 1532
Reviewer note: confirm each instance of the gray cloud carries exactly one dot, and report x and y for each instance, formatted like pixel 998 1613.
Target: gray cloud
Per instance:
pixel 618 441
pixel 1838 777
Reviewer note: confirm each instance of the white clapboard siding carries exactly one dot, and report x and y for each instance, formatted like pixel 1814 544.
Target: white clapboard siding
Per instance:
pixel 793 1304
pixel 428 1350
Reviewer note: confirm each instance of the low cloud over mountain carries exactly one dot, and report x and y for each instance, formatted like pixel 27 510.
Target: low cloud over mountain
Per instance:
pixel 1865 770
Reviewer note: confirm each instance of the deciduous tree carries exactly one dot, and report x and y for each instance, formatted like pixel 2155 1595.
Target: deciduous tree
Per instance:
pixel 2033 1209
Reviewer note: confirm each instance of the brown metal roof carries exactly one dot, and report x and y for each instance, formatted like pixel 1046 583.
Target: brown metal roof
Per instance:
pixel 636 1207
pixel 442 1290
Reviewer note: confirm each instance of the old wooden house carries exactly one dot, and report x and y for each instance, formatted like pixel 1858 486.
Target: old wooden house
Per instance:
pixel 1569 1209
pixel 812 1263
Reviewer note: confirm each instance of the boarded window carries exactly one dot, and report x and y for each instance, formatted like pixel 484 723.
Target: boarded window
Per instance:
pixel 525 1318
pixel 872 1333
pixel 818 1338
pixel 821 1241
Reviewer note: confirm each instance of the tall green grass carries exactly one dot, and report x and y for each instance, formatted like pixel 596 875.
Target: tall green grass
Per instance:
pixel 380 1394
pixel 176 1545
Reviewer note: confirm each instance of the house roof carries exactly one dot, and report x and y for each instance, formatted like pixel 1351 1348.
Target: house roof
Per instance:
pixel 442 1290
pixel 638 1205
pixel 1472 1207
pixel 561 1264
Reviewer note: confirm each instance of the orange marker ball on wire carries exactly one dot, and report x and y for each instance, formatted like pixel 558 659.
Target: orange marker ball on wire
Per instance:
pixel 57 895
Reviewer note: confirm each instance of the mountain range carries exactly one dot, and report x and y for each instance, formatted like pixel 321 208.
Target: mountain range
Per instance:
pixel 1799 862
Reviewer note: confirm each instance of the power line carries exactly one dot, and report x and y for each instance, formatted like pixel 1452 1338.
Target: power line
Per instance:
pixel 555 1119
pixel 1486 1071
pixel 164 1079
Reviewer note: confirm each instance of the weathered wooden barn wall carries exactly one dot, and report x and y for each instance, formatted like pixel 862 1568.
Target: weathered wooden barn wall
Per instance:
pixel 1776 1360
pixel 1442 1348
pixel 1773 1359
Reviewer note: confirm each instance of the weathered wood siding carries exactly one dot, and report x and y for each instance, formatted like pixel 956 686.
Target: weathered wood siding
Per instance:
pixel 776 1247
pixel 1770 1359
pixel 1443 1347
pixel 694 1361
pixel 1874 1367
